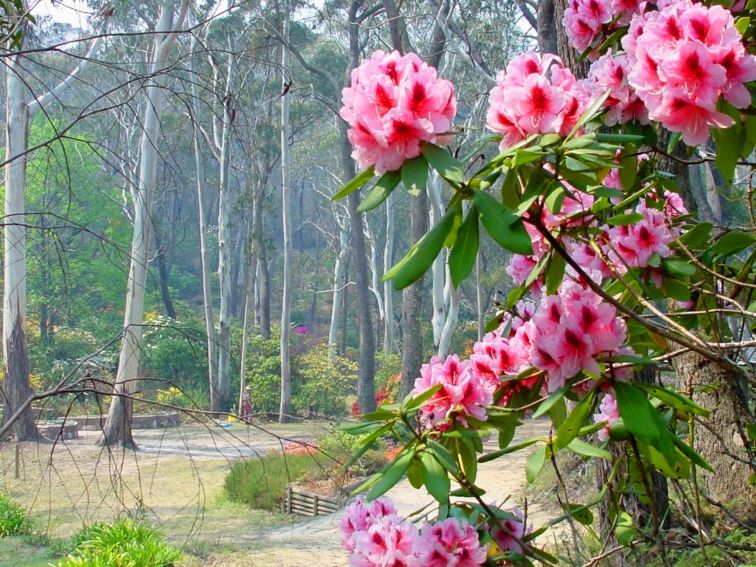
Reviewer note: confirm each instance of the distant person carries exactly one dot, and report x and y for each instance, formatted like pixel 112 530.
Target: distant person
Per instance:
pixel 246 409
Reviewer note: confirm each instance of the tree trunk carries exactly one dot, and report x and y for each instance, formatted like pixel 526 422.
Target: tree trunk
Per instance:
pixel 263 287
pixel 117 429
pixel 479 305
pixel 16 388
pixel 164 272
pixel 207 292
pixel 412 305
pixel 450 323
pixel 547 27
pixel 389 340
pixel 438 269
pixel 285 406
pixel 570 57
pixel 723 438
pixel 222 400
pixel 339 289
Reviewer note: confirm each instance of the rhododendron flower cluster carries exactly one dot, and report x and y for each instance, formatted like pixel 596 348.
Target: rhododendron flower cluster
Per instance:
pixel 510 533
pixel 535 95
pixel 393 103
pixel 584 20
pixel 609 74
pixel 608 412
pixel 633 245
pixel 683 59
pixel 375 536
pixel 462 392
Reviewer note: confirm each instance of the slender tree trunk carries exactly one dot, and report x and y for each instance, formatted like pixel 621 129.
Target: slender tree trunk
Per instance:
pixel 479 304
pixel 263 287
pixel 547 33
pixel 207 292
pixel 249 299
pixel 117 428
pixel 16 388
pixel 450 324
pixel 438 269
pixel 164 273
pixel 389 340
pixel 339 289
pixel 222 399
pixel 285 407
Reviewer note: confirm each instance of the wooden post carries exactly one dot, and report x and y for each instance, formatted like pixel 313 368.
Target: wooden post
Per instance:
pixel 288 499
pixel 315 505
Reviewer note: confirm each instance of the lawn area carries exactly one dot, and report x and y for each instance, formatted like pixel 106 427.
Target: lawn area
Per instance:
pixel 175 481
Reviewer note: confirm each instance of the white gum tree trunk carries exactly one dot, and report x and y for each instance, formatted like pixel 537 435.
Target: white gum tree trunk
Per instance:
pixel 389 340
pixel 117 428
pixel 339 287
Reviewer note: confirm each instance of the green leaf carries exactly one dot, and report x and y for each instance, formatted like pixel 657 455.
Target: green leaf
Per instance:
pixel 628 167
pixel 581 513
pixel 571 426
pixel 728 150
pixel 642 419
pixel 380 191
pixel 620 138
pixel 442 161
pixel 367 443
pixel 547 404
pixel 678 267
pixel 435 478
pixel 589 113
pixel 692 454
pixel 496 454
pixel 415 473
pixel 444 456
pixel 421 255
pixel 392 474
pixel 732 243
pixel 415 175
pixel 698 236
pixel 554 273
pixel 503 226
pixel 625 531
pixel 673 399
pixel 583 448
pixel 420 399
pixel 625 219
pixel 355 183
pixel 469 459
pixel 465 251
pixel 535 463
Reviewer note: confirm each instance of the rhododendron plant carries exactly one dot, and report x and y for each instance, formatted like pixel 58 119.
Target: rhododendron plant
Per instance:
pixel 613 276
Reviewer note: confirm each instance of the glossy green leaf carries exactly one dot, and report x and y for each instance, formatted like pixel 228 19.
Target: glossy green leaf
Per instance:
pixel 392 474
pixel 380 191
pixel 435 477
pixel 588 450
pixel 504 227
pixel 355 183
pixel 624 530
pixel 673 399
pixel 420 256
pixel 444 456
pixel 625 219
pixel 642 419
pixel 732 243
pixel 698 236
pixel 728 150
pixel 415 175
pixel 465 251
pixel 416 402
pixel 535 463
pixel 443 162
pixel 555 273
pixel 511 449
pixel 678 267
pixel 469 459
pixel 571 426
pixel 547 404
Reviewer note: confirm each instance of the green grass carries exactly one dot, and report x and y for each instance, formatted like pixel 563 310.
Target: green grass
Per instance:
pixel 124 543
pixel 261 482
pixel 14 520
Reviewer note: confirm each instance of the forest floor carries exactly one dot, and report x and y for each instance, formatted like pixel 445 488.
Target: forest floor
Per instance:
pixel 175 480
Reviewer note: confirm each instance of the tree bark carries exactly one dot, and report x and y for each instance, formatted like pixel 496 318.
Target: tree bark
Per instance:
pixel 222 400
pixel 570 57
pixel 722 438
pixel 285 406
pixel 339 289
pixel 207 292
pixel 117 429
pixel 389 340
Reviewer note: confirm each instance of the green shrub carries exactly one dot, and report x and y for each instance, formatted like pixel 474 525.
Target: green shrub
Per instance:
pixel 261 482
pixel 264 373
pixel 175 353
pixel 343 446
pixel 14 520
pixel 124 543
pixel 322 385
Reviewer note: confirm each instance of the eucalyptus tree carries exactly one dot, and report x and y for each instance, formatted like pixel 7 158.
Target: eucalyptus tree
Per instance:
pixel 22 102
pixel 170 20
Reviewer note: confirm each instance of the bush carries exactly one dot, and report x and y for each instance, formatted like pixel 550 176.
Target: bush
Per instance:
pixel 176 353
pixel 125 543
pixel 264 373
pixel 322 385
pixel 342 446
pixel 14 520
pixel 261 482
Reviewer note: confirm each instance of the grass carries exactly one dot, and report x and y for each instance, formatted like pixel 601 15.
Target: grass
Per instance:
pixel 261 483
pixel 14 520
pixel 125 543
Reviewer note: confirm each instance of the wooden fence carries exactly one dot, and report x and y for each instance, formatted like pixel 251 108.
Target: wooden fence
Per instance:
pixel 304 503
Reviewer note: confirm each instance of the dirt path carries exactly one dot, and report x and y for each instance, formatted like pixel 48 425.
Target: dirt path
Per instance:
pixel 316 542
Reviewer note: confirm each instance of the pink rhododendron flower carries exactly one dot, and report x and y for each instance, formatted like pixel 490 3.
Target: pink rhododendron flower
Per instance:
pixel 684 57
pixel 510 533
pixel 393 103
pixel 609 73
pixel 461 391
pixel 388 542
pixel 635 244
pixel 583 20
pixel 609 412
pixel 359 516
pixel 449 544
pixel 536 95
